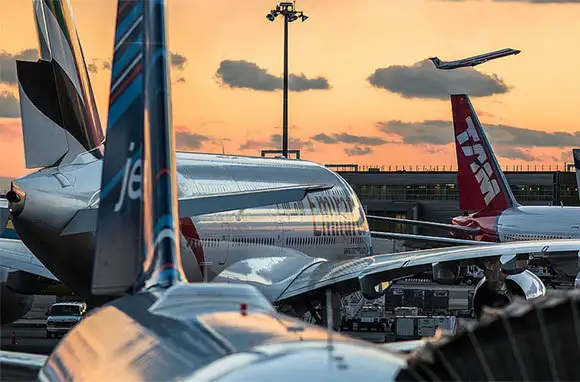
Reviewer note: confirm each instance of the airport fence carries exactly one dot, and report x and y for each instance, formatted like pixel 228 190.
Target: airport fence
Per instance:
pixel 566 167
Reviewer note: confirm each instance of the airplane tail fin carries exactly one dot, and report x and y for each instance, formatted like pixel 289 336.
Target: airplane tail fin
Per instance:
pixel 482 184
pixel 436 61
pixel 138 197
pixel 576 154
pixel 58 109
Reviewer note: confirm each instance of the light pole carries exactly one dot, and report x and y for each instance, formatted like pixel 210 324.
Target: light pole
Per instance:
pixel 288 11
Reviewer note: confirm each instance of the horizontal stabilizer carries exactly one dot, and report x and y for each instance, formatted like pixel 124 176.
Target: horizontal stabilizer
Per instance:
pixel 86 220
pixel 449 227
pixel 14 254
pixel 407 236
pixel 210 204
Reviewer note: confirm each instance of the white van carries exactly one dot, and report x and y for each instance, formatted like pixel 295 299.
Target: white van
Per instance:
pixel 63 316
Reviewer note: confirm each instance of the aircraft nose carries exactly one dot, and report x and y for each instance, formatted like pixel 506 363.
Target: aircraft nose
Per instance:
pixel 16 199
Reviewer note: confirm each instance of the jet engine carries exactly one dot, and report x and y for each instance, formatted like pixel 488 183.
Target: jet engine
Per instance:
pixel 497 295
pixel 13 306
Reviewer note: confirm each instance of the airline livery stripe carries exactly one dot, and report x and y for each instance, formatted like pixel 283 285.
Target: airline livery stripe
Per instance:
pixel 128 23
pixel 163 222
pixel 119 90
pixel 135 25
pixel 126 56
pixel 125 99
pixel 122 7
pixel 125 73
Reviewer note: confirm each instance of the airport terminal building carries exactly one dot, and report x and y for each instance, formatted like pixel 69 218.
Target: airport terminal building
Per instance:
pixel 433 195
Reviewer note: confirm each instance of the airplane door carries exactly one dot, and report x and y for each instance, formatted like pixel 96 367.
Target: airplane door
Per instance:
pixel 574 232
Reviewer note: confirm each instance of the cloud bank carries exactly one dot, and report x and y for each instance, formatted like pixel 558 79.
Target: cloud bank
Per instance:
pixel 247 75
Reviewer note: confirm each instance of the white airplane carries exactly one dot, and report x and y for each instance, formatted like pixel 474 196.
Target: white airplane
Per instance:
pixel 291 251
pixel 483 188
pixel 474 60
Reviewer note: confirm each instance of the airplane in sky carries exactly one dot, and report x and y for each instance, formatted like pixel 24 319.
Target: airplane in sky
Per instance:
pixel 290 250
pixel 163 328
pixel 483 188
pixel 473 60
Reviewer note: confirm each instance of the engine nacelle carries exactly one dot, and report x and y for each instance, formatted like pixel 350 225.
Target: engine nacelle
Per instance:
pixel 13 306
pixel 446 273
pixel 525 284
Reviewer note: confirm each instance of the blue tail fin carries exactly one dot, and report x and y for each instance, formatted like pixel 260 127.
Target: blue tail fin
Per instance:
pixel 163 261
pixel 121 199
pixel 136 173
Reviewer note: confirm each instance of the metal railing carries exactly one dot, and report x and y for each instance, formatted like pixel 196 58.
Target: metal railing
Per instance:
pixel 445 168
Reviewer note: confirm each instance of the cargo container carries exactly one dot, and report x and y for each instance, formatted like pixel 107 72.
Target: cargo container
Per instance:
pixel 404 327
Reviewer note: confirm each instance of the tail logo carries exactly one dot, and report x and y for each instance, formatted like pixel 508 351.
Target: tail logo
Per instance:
pixel 480 166
pixel 132 179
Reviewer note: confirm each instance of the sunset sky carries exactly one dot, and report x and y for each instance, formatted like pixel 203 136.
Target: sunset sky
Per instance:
pixel 361 92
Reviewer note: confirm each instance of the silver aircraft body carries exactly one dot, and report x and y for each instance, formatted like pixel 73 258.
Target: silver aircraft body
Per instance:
pixel 474 60
pixel 265 246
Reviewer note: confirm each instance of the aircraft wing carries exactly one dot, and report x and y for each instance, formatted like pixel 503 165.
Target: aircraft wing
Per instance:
pixel 15 255
pixel 408 236
pixel 445 226
pixel 364 274
pixel 21 366
pixel 85 220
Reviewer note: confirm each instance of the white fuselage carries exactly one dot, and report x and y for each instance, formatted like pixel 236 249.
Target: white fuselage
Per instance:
pixel 266 246
pixel 538 223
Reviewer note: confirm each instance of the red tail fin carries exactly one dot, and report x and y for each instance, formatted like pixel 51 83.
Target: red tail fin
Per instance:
pixel 482 184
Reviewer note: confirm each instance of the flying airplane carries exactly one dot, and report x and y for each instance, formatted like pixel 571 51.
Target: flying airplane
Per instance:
pixel 162 328
pixel 474 60
pixel 291 251
pixel 483 188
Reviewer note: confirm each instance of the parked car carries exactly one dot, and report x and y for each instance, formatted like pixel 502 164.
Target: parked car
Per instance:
pixel 63 316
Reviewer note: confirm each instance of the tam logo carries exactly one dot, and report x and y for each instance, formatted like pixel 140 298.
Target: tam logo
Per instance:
pixel 131 185
pixel 480 166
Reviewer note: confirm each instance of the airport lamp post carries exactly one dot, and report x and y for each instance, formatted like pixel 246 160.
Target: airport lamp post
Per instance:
pixel 288 11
